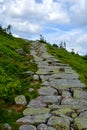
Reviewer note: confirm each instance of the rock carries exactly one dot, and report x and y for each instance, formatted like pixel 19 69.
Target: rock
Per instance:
pixel 35 111
pixel 66 94
pixel 50 99
pixel 34 119
pixel 36 77
pixel 59 122
pixel 47 91
pixel 65 111
pixel 42 127
pixel 51 128
pixel 28 73
pixel 31 89
pixel 37 103
pixel 81 123
pixel 7 126
pixel 80 94
pixel 21 100
pixel 20 51
pixel 83 114
pixel 27 127
pixel 65 76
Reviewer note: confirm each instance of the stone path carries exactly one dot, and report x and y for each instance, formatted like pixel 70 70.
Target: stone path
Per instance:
pixel 62 101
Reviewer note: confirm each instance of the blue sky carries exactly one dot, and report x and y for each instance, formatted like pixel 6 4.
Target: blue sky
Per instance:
pixel 56 20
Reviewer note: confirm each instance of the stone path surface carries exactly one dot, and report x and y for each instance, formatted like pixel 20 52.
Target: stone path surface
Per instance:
pixel 62 101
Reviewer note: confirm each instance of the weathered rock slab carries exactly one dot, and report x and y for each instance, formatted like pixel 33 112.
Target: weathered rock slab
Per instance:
pixel 34 119
pixel 59 122
pixel 47 91
pixel 35 111
pixel 27 127
pixel 81 123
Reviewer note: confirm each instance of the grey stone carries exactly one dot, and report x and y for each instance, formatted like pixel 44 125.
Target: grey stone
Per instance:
pixel 35 111
pixel 81 123
pixel 42 127
pixel 80 94
pixel 83 114
pixel 28 73
pixel 37 103
pixel 7 126
pixel 20 51
pixel 34 119
pixel 45 91
pixel 66 111
pixel 31 89
pixel 59 122
pixel 36 77
pixel 27 127
pixel 65 76
pixel 50 99
pixel 66 94
pixel 51 128
pixel 21 100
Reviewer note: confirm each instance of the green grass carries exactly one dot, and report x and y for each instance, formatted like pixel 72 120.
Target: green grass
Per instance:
pixel 12 80
pixel 77 62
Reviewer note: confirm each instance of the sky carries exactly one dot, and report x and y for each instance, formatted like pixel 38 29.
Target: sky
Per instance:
pixel 57 20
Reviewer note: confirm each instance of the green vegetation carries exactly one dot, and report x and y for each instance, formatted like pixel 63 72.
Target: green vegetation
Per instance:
pixel 77 62
pixel 15 59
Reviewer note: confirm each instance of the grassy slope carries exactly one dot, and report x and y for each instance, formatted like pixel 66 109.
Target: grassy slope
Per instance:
pixel 78 63
pixel 12 82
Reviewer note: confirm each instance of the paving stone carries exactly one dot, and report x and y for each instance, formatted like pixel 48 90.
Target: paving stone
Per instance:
pixel 36 77
pixel 80 94
pixel 66 94
pixel 27 127
pixel 59 122
pixel 66 111
pixel 50 99
pixel 34 119
pixel 46 91
pixel 81 123
pixel 37 103
pixel 35 111
pixel 83 114
pixel 42 127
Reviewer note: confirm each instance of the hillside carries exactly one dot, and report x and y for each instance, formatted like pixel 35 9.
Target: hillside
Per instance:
pixel 77 62
pixel 17 67
pixel 16 64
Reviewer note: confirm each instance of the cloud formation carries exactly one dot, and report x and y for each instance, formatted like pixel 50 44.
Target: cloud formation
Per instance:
pixel 60 19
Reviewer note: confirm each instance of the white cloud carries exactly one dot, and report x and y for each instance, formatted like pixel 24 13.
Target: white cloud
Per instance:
pixel 31 17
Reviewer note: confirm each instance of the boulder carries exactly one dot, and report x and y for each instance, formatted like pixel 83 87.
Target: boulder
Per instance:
pixel 20 100
pixel 27 127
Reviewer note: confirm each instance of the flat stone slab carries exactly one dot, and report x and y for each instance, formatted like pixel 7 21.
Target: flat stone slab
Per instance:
pixel 34 119
pixel 74 102
pixel 80 94
pixel 27 127
pixel 81 123
pixel 47 91
pixel 65 76
pixel 66 94
pixel 42 127
pixel 83 114
pixel 37 103
pixel 59 122
pixel 66 84
pixel 65 111
pixel 50 99
pixel 35 111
